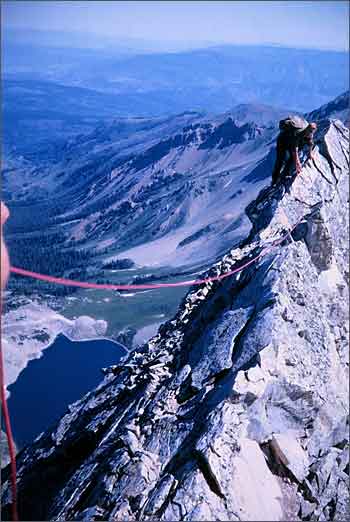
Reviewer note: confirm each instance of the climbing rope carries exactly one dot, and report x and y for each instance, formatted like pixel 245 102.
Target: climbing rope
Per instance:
pixel 81 284
pixel 150 286
pixel 9 436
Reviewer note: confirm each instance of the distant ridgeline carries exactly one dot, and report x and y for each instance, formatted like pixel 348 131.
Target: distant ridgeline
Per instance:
pixel 182 181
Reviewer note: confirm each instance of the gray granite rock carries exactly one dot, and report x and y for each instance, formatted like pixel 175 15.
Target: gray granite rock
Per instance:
pixel 237 408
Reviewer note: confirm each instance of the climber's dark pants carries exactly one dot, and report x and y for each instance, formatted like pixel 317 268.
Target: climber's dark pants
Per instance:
pixel 284 158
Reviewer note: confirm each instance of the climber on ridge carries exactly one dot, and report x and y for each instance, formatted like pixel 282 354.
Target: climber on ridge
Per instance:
pixel 295 133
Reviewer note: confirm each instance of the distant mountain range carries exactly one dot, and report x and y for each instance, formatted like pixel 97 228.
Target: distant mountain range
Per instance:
pixel 58 85
pixel 212 79
pixel 38 115
pixel 167 191
pixel 80 40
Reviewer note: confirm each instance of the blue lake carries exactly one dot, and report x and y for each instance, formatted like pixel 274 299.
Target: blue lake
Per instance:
pixel 64 373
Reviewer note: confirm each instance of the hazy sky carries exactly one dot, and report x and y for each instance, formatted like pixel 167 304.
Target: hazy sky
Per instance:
pixel 320 24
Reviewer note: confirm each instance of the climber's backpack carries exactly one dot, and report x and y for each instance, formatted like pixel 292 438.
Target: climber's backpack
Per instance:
pixel 293 124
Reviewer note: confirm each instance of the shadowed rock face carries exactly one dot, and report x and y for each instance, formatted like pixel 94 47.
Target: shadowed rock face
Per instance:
pixel 236 409
pixel 228 133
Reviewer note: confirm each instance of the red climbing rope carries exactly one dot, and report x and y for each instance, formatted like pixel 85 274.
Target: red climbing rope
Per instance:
pixel 10 441
pixel 150 286
pixel 102 286
pixel 81 284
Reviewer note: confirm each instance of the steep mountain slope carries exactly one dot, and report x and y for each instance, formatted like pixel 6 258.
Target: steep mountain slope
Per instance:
pixel 174 192
pixel 338 108
pixel 162 191
pixel 236 410
pixel 165 182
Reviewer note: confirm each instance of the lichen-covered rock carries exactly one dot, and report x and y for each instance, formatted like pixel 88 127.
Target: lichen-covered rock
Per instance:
pixel 237 408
